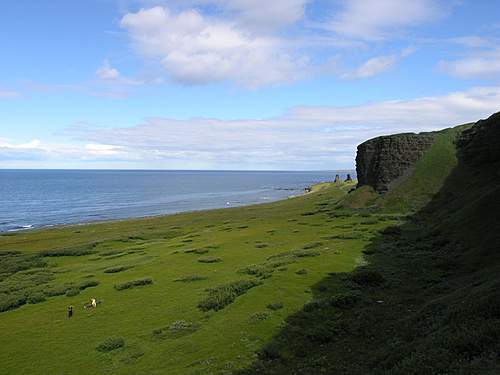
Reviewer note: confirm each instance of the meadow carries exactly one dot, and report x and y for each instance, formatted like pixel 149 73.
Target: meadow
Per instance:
pixel 193 293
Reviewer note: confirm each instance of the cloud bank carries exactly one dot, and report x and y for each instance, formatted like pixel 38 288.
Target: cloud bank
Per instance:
pixel 304 138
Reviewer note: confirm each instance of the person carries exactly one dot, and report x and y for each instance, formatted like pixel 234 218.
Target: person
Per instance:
pixel 93 302
pixel 70 311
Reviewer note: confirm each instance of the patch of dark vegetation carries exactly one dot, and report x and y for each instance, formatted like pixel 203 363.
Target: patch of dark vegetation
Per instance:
pixel 196 251
pixel 110 344
pixel 369 222
pixel 133 284
pixel 209 260
pixel 110 252
pixel 71 292
pixel 261 245
pixel 367 277
pixel 309 213
pixel 275 306
pixel 259 316
pixel 225 294
pixel 348 236
pixel 391 231
pixel 76 251
pixel 302 271
pixel 116 269
pixel 177 329
pixel 312 245
pixel 12 262
pixel 191 278
pixel 243 227
pixel 88 284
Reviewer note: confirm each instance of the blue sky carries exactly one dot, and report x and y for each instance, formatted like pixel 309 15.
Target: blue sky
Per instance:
pixel 236 84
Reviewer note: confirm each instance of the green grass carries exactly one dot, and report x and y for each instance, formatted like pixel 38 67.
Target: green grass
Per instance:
pixel 274 238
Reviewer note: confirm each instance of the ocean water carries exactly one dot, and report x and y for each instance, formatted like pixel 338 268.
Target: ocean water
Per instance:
pixel 39 198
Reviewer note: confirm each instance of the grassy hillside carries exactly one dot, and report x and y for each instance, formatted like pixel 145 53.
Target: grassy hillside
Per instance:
pixel 428 302
pixel 195 293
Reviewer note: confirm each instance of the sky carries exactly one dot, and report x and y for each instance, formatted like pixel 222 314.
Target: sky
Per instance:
pixel 236 84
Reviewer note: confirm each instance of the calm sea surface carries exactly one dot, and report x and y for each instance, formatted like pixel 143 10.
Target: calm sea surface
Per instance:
pixel 33 199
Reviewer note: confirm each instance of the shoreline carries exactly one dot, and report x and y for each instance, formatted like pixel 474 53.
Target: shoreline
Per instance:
pixel 305 191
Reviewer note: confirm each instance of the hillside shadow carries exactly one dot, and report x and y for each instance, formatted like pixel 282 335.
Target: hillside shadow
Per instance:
pixel 427 303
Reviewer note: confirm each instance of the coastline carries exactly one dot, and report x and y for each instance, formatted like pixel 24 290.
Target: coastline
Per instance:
pixel 308 190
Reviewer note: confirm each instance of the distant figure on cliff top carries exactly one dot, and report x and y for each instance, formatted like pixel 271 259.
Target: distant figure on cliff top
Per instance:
pixel 337 179
pixel 70 311
pixel 349 178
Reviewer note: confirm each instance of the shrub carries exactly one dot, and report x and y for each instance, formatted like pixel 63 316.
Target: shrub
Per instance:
pixel 312 245
pixel 302 271
pixel 71 292
pixel 11 302
pixel 133 284
pixel 55 290
pixel 367 277
pixel 305 253
pixel 86 249
pixel 391 231
pixel 110 344
pixel 223 295
pixel 88 284
pixel 196 251
pixel 116 269
pixel 35 298
pixel 261 245
pixel 275 306
pixel 209 260
pixel 191 278
pixel 259 316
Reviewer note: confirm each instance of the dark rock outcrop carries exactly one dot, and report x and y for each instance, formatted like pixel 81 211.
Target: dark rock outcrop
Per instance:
pixel 385 161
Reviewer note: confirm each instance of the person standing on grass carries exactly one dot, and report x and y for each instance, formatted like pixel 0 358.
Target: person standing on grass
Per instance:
pixel 70 311
pixel 93 302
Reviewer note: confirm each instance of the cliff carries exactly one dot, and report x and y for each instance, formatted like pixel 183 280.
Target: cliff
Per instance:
pixel 384 162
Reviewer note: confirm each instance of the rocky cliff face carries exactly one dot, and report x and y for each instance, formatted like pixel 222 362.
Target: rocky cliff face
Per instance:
pixel 385 161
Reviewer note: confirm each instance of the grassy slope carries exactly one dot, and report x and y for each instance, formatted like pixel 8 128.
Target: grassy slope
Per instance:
pixel 437 310
pixel 39 339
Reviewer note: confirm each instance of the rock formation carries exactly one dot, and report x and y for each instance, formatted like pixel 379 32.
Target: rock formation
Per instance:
pixel 384 161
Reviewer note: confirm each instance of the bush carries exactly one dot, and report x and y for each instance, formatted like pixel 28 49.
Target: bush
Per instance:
pixel 35 298
pixel 116 269
pixel 275 306
pixel 72 292
pixel 11 302
pixel 110 344
pixel 223 295
pixel 367 277
pixel 86 249
pixel 302 271
pixel 88 284
pixel 259 316
pixel 191 278
pixel 391 231
pixel 305 253
pixel 133 284
pixel 209 260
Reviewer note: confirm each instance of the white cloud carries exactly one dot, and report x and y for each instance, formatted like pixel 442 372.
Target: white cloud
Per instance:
pixel 373 67
pixel 303 138
pixel 107 72
pixel 8 93
pixel 263 15
pixel 195 49
pixel 483 65
pixel 371 20
pixel 377 65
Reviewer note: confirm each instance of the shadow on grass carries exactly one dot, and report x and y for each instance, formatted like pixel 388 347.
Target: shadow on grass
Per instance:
pixel 427 303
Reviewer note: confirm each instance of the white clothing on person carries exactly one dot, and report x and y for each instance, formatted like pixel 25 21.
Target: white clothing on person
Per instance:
pixel 93 302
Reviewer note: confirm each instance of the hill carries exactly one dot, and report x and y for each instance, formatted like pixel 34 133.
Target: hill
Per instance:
pixel 429 300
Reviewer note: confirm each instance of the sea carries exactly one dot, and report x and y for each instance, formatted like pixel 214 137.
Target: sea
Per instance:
pixel 31 199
